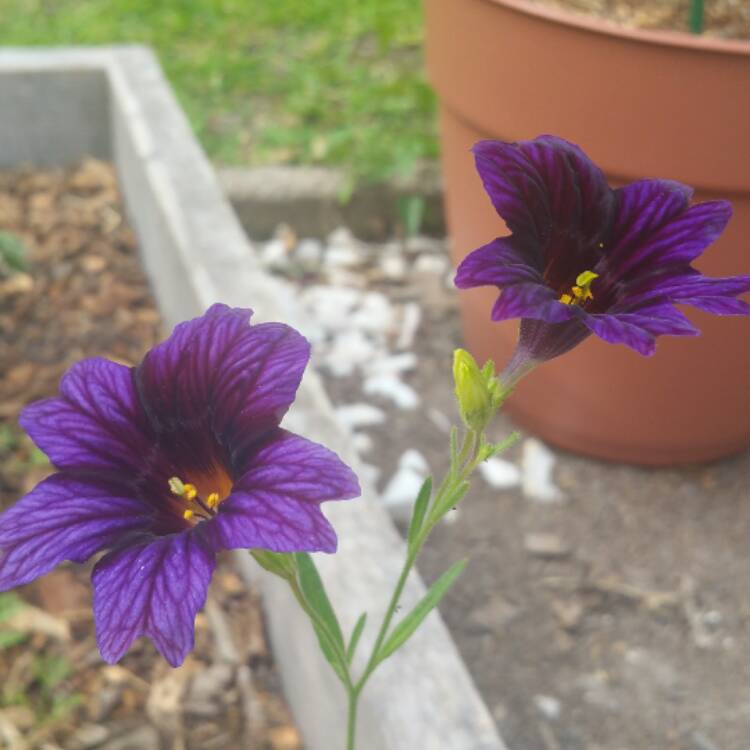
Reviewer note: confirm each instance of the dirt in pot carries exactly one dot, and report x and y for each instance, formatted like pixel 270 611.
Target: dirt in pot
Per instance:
pixel 729 19
pixel 71 286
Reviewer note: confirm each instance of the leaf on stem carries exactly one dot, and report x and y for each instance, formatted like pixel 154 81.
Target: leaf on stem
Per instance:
pixel 413 620
pixel 356 633
pixel 315 593
pixel 419 512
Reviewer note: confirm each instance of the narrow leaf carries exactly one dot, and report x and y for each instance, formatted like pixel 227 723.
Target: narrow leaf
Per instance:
pixel 315 593
pixel 413 620
pixel 329 651
pixel 452 500
pixel 419 511
pixel 356 633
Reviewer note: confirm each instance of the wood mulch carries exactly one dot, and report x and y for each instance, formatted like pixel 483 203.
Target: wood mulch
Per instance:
pixel 77 289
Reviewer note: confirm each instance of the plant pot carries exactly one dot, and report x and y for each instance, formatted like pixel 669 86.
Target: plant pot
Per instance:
pixel 641 104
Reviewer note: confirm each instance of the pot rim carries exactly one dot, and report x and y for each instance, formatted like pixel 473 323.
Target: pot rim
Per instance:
pixel 587 23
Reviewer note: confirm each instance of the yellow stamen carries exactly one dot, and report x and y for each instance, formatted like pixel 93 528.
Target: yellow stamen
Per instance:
pixel 581 292
pixel 176 486
pixel 188 515
pixel 190 492
pixel 212 500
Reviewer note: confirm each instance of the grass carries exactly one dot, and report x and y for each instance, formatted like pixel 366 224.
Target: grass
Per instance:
pixel 335 82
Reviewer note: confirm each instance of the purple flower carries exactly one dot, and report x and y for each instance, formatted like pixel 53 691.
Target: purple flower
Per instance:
pixel 166 464
pixel 583 258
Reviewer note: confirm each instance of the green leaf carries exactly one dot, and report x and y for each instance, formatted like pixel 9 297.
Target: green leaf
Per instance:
pixel 315 593
pixel 419 511
pixel 279 563
pixel 10 638
pixel 12 252
pixel 403 631
pixel 10 603
pixel 356 633
pixel 412 213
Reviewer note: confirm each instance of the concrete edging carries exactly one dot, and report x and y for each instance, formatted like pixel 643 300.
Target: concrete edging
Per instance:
pixel 264 197
pixel 115 103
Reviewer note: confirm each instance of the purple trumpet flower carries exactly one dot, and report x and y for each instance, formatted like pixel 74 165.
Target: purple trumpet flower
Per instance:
pixel 166 464
pixel 583 258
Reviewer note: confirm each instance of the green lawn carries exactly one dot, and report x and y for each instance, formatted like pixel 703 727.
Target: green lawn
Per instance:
pixel 281 81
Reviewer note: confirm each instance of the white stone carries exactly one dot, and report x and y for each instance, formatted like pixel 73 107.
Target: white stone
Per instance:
pixel 436 264
pixel 363 443
pixel 411 317
pixel 309 253
pixel 390 387
pixel 401 492
pixel 413 459
pixel 374 314
pixel 548 706
pixel 421 244
pixel 342 257
pixel 394 364
pixel 350 349
pixel 274 254
pixel 341 236
pixel 369 474
pixel 330 306
pixel 537 464
pixel 499 473
pixel 359 415
pixel 439 419
pixel 393 266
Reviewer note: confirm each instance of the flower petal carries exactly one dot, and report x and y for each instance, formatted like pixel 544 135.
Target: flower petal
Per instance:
pixel 497 263
pixel 545 183
pixel 154 588
pixel 645 210
pixel 528 300
pixel 64 518
pixel 275 505
pixel 638 330
pixel 96 423
pixel 216 377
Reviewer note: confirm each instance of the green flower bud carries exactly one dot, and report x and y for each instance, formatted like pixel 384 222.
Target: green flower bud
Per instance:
pixel 476 390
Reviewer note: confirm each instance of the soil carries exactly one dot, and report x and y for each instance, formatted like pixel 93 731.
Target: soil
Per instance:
pixel 76 289
pixel 632 631
pixel 729 19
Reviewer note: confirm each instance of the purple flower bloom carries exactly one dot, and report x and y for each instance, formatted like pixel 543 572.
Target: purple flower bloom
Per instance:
pixel 166 464
pixel 583 258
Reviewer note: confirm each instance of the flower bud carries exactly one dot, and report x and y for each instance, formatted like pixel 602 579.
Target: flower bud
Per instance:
pixel 476 390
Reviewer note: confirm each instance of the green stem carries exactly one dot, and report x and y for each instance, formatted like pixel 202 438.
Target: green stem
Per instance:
pixel 351 724
pixel 696 16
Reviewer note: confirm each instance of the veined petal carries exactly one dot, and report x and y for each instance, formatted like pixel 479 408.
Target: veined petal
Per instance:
pixel 498 263
pixel 276 503
pixel 96 423
pixel 64 518
pixel 217 377
pixel 153 588
pixel 528 300
pixel 543 184
pixel 639 329
pixel 644 209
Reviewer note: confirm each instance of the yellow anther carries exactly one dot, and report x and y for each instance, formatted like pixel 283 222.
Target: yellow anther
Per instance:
pixel 190 492
pixel 176 486
pixel 581 292
pixel 212 500
pixel 188 515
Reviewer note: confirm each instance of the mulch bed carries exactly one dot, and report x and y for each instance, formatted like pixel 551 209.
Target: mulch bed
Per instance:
pixel 79 291
pixel 722 18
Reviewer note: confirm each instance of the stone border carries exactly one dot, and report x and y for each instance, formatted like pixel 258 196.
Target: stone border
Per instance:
pixel 264 197
pixel 115 103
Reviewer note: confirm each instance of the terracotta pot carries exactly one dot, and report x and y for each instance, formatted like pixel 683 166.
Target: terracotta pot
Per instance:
pixel 641 104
